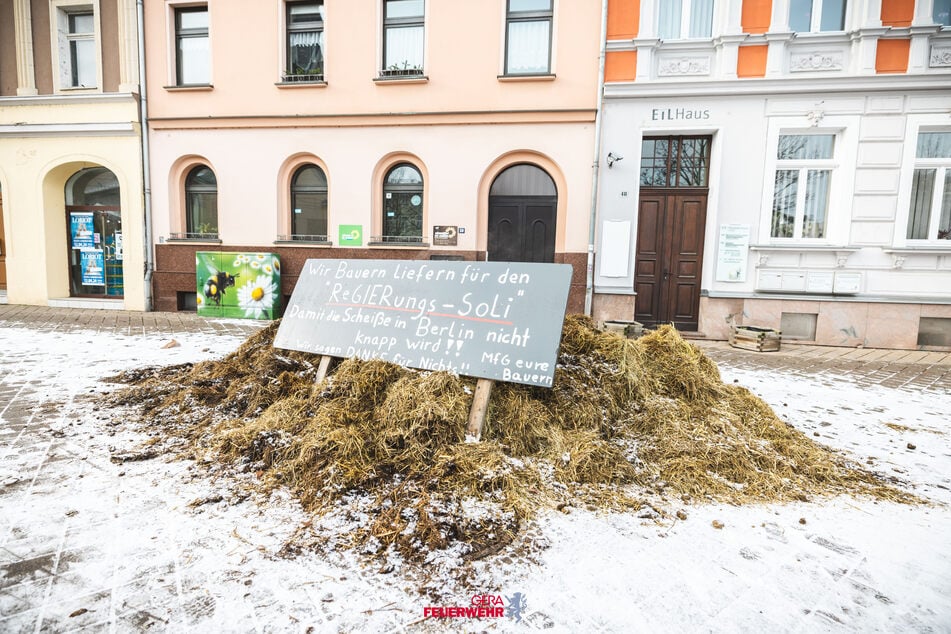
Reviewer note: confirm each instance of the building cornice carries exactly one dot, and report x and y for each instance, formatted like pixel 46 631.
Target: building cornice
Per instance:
pixel 29 130
pixel 785 85
pixel 465 117
pixel 70 99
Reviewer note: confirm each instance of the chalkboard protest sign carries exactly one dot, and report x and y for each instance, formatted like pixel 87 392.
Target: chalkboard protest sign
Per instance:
pixel 492 320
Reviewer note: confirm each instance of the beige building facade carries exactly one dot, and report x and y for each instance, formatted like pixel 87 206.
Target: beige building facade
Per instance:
pixel 71 179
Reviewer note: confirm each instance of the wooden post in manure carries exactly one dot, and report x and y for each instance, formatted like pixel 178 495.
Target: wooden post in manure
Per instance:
pixel 480 404
pixel 322 368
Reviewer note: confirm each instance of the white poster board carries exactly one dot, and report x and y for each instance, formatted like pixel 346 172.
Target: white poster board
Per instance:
pixel 733 253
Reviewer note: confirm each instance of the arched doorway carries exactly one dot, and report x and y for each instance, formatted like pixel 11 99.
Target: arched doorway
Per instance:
pixel 94 226
pixel 523 204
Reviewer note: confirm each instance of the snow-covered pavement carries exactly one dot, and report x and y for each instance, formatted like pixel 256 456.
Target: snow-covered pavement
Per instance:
pixel 92 541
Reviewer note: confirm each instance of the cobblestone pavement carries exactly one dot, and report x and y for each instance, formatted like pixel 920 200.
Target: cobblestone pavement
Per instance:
pixel 86 540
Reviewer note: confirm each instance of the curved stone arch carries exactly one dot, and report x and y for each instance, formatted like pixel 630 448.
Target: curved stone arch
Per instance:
pixel 177 172
pixel 284 175
pixel 52 181
pixel 382 167
pixel 502 163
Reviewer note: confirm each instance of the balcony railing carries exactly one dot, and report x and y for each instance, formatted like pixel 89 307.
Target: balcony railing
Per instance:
pixel 300 237
pixel 398 240
pixel 191 235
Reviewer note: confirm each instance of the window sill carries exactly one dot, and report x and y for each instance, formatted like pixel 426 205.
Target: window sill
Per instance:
pixel 189 87
pixel 78 89
pixel 922 250
pixel 400 245
pixel 800 247
pixel 317 83
pixel 410 79
pixel 517 78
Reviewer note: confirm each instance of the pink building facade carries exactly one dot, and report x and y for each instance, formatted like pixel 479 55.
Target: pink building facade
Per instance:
pixel 390 129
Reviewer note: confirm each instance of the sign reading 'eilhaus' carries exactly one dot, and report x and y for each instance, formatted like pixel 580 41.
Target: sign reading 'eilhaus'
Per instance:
pixel 493 320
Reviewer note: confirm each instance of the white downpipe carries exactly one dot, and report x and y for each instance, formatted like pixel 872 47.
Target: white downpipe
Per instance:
pixel 146 169
pixel 595 169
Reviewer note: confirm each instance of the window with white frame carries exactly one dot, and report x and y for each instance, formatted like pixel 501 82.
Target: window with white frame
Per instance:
pixel 528 26
pixel 403 30
pixel 684 19
pixel 305 42
pixel 804 165
pixel 192 50
pixel 814 16
pixel 75 28
pixel 929 214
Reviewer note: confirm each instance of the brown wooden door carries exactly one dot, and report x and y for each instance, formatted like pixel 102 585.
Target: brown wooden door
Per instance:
pixel 3 250
pixel 670 232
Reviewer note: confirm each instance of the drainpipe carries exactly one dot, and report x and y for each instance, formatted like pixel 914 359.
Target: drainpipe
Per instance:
pixel 146 171
pixel 592 229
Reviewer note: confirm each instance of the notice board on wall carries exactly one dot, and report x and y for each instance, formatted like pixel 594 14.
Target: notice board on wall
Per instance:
pixel 492 320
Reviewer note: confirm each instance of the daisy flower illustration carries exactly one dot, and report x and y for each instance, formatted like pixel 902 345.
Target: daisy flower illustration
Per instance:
pixel 257 296
pixel 277 265
pixel 241 259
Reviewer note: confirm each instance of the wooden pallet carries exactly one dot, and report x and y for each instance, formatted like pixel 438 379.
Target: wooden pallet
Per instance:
pixel 755 338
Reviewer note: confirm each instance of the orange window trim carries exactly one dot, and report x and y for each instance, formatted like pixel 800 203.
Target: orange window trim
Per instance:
pixel 620 66
pixel 756 15
pixel 891 56
pixel 897 12
pixel 751 61
pixel 623 19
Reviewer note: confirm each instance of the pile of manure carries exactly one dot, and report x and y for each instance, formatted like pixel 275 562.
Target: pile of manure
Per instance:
pixel 384 447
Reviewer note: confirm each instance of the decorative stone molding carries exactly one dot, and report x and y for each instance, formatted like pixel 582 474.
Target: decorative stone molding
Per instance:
pixel 816 61
pixel 940 57
pixel 841 257
pixel 763 259
pixel 815 117
pixel 898 260
pixel 677 66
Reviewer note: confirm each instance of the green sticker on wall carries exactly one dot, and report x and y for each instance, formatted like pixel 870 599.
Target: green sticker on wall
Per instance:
pixel 244 285
pixel 350 236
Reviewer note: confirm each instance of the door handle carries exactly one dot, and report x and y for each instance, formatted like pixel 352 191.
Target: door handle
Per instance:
pixel 666 274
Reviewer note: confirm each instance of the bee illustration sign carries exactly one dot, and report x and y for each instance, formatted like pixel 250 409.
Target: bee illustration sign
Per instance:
pixel 244 285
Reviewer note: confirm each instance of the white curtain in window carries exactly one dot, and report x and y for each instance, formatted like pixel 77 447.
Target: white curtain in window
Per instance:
pixel 528 47
pixel 404 48
pixel 701 18
pixel 306 55
pixel 817 204
pixel 922 190
pixel 84 62
pixel 194 60
pixel 668 19
pixel 944 219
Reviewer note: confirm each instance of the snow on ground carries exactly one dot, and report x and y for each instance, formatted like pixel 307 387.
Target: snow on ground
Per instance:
pixel 128 543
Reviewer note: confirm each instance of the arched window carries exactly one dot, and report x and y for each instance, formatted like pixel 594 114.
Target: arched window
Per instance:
pixel 523 180
pixel 309 204
pixel 201 203
pixel 93 186
pixel 403 204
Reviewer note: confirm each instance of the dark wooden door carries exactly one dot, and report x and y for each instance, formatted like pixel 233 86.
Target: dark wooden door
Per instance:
pixel 670 235
pixel 522 229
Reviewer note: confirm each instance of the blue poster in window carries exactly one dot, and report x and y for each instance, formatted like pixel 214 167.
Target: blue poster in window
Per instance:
pixel 81 229
pixel 94 270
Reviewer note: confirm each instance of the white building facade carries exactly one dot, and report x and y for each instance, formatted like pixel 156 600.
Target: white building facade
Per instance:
pixel 785 165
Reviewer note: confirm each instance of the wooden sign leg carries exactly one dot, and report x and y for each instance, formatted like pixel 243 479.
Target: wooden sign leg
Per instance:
pixel 480 404
pixel 322 368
